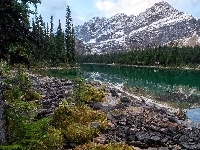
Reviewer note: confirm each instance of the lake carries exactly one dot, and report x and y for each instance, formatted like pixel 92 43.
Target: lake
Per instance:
pixel 179 88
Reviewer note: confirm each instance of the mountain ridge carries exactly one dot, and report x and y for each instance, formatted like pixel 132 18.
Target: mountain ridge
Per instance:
pixel 156 26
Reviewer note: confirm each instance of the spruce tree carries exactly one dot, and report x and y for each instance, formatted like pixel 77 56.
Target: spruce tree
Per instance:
pixel 52 45
pixel 60 44
pixel 69 38
pixel 14 25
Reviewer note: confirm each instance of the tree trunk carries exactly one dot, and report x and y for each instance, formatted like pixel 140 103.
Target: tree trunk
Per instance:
pixel 2 130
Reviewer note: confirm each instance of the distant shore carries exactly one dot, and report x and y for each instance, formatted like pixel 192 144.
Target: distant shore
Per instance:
pixel 144 66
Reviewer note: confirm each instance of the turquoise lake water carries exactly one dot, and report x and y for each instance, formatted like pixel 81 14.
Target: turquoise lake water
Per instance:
pixel 181 88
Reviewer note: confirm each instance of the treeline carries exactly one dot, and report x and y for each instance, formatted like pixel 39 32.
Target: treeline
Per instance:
pixel 55 48
pixel 35 41
pixel 165 56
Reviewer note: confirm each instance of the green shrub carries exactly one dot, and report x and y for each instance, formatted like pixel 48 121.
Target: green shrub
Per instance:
pixel 88 93
pixel 36 135
pixel 16 86
pixel 75 122
pixel 31 96
pixel 110 146
pixel 40 135
pixel 23 132
pixel 76 132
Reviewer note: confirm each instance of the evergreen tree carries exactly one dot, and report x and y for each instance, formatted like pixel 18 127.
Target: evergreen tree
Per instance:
pixel 46 43
pixel 51 27
pixel 14 25
pixel 69 38
pixel 52 44
pixel 60 44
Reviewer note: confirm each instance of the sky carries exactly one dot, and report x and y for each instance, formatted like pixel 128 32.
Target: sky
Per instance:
pixel 84 10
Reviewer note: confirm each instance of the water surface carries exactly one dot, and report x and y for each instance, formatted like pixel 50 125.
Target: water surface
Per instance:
pixel 179 88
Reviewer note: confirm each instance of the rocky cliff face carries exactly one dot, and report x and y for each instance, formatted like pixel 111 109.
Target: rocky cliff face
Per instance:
pixel 158 25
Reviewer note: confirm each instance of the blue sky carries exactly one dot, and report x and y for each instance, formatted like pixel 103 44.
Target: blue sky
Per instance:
pixel 84 10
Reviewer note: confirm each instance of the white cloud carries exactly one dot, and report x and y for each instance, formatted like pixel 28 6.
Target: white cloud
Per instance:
pixel 105 5
pixel 110 8
pixel 129 7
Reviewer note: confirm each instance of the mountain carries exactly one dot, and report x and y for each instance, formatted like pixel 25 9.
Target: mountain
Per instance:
pixel 157 26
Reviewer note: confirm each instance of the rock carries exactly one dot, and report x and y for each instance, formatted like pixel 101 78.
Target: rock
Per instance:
pixel 133 131
pixel 96 105
pixel 198 146
pixel 141 136
pixel 101 139
pixel 183 139
pixel 131 138
pixel 122 123
pixel 125 99
pixel 68 93
pixel 95 125
pixel 114 93
pixel 152 148
pixel 189 146
pixel 155 139
pixel 68 83
pixel 111 125
pixel 172 119
pixel 163 148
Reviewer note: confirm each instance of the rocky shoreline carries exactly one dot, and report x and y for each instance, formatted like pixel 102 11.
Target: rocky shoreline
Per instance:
pixel 130 121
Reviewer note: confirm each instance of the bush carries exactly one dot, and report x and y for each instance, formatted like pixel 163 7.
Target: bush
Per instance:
pixel 31 96
pixel 22 131
pixel 16 87
pixel 40 135
pixel 88 93
pixel 75 122
pixel 35 135
pixel 110 146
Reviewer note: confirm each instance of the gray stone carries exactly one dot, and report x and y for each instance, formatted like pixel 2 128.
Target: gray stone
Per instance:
pixel 101 139
pixel 95 125
pixel 125 99
pixel 163 148
pixel 114 93
pixel 111 125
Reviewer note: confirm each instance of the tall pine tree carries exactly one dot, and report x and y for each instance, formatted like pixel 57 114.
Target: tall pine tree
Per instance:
pixel 69 38
pixel 52 45
pixel 60 44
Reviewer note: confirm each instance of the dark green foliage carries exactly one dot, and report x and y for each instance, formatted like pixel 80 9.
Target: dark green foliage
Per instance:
pixel 14 26
pixel 60 45
pixel 162 56
pixel 33 43
pixel 69 38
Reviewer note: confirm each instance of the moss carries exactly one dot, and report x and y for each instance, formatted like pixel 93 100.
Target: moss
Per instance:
pixel 88 93
pixel 75 122
pixel 110 146
pixel 80 133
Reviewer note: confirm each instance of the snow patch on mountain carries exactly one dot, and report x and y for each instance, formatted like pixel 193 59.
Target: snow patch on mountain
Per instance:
pixel 158 25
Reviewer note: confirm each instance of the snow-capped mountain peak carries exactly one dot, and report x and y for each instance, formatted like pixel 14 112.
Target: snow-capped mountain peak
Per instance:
pixel 158 25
